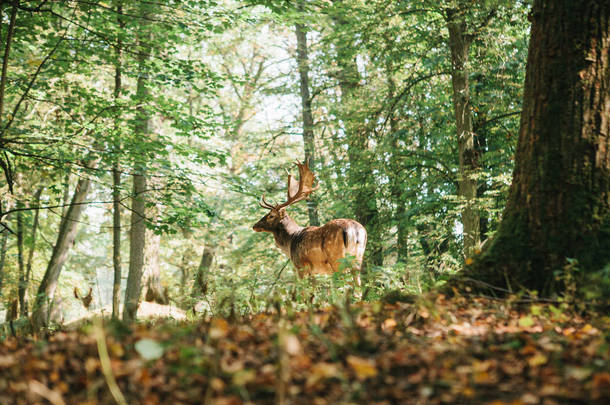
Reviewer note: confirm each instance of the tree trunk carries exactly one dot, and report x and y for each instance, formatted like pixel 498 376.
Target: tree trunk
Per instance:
pixel 116 240
pixel 200 287
pixel 137 233
pixel 152 270
pixel 397 186
pixel 65 238
pixel 3 249
pixel 20 261
pixel 116 179
pixel 30 258
pixel 559 200
pixel 459 45
pixel 308 134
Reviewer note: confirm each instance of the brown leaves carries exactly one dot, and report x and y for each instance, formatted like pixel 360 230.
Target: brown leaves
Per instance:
pixel 460 350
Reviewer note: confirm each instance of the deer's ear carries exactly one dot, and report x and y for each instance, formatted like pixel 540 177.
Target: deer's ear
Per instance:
pixel 282 212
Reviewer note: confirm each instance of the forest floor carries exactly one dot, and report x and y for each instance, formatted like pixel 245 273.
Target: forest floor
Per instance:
pixel 435 350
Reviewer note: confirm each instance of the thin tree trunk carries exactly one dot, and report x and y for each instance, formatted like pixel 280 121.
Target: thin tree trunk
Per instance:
pixel 308 134
pixel 116 179
pixel 137 233
pixel 459 45
pixel 28 266
pixel 66 194
pixel 559 200
pixel 397 187
pixel 7 51
pixel 3 249
pixel 116 240
pixel 20 262
pixel 65 238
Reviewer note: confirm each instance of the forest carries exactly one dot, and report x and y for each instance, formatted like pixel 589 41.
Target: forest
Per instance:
pixel 305 202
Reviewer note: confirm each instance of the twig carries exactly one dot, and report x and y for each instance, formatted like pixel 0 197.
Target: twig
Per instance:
pixel 102 350
pixel 42 390
pixel 279 274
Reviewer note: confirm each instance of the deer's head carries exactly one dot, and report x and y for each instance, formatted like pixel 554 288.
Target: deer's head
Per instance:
pixel 297 191
pixel 271 221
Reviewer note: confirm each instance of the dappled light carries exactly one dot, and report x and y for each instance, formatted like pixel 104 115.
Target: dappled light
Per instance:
pixel 380 202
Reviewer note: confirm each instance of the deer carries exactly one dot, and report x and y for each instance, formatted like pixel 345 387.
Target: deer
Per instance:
pixel 312 249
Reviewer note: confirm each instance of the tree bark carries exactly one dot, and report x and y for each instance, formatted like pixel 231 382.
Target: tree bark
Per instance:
pixel 200 287
pixel 20 262
pixel 152 270
pixel 7 50
pixel 308 134
pixel 116 240
pixel 137 233
pixel 65 238
pixel 116 178
pixel 3 249
pixel 28 264
pixel 559 200
pixel 459 45
pixel 397 186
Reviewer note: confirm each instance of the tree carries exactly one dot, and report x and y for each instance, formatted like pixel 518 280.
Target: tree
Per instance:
pixel 116 173
pixel 363 188
pixel 308 134
pixel 65 239
pixel 137 233
pixel 559 200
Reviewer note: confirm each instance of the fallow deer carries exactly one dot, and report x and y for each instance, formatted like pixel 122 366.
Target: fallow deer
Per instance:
pixel 312 249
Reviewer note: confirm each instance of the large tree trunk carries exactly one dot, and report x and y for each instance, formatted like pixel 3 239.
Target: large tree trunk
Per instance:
pixel 559 201
pixel 137 234
pixel 308 134
pixel 459 45
pixel 65 238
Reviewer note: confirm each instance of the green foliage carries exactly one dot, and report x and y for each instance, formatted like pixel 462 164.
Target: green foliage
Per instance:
pixel 223 94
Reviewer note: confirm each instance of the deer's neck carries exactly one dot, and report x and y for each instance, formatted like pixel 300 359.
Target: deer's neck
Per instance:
pixel 285 232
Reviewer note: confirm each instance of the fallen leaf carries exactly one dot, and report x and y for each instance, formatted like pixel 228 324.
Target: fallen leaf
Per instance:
pixel 219 328
pixel 537 360
pixel 364 368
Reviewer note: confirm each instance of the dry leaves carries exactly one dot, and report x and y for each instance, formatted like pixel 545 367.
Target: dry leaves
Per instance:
pixel 463 350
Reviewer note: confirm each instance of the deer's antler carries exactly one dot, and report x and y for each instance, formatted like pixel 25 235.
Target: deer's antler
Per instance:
pixel 296 191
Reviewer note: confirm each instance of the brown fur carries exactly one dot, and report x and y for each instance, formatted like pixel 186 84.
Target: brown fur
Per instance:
pixel 316 249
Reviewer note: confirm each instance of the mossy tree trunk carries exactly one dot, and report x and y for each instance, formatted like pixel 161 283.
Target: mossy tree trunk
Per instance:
pixel 459 45
pixel 559 201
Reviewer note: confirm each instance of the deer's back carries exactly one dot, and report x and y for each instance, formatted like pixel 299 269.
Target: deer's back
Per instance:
pixel 317 249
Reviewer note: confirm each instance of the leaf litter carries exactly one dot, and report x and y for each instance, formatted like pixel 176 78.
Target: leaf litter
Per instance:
pixel 437 350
